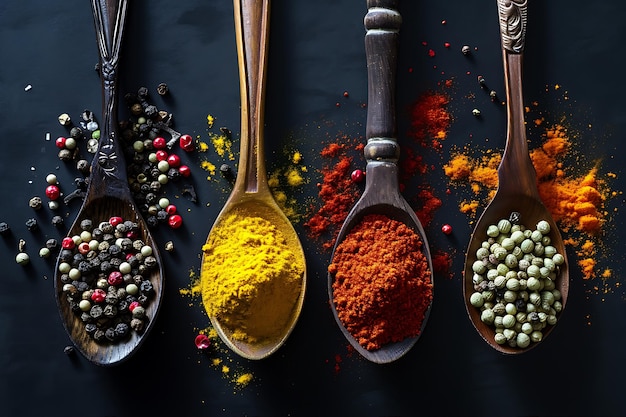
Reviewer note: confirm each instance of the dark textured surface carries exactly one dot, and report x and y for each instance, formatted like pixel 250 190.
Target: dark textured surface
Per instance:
pixel 316 53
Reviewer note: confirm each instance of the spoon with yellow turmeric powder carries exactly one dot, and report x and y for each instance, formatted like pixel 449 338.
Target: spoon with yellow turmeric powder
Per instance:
pixel 253 271
pixel 380 280
pixel 514 287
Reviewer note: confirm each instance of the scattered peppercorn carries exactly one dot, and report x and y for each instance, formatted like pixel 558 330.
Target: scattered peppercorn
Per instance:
pixel 465 50
pixel 446 229
pixel 162 89
pixel 22 258
pixel 31 224
pixel 68 350
pixel 35 203
pixel 4 229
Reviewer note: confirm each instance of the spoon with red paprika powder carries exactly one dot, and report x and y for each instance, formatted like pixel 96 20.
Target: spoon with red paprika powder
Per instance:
pixel 517 181
pixel 109 196
pixel 381 211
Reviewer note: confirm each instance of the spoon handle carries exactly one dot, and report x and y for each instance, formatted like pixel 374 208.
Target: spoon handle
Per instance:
pixel 108 170
pixel 382 23
pixel 252 19
pixel 516 165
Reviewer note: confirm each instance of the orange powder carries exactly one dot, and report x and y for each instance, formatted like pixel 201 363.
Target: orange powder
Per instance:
pixel 576 202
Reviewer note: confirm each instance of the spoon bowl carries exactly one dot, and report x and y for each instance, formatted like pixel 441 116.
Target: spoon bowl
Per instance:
pixel 251 195
pixel 108 195
pixel 382 194
pixel 517 182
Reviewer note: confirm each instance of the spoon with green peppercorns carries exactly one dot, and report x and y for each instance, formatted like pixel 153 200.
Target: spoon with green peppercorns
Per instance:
pixel 517 193
pixel 108 197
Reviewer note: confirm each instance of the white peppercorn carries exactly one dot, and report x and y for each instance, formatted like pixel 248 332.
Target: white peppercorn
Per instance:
pixel 22 258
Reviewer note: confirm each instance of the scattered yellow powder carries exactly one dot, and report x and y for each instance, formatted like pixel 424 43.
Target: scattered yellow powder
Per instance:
pixel 210 120
pixel 222 145
pixel 244 379
pixel 294 177
pixel 296 158
pixel 202 146
pixel 208 167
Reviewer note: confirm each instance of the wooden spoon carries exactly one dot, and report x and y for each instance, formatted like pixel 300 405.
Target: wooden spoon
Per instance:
pixel 382 192
pixel 251 195
pixel 517 181
pixel 108 193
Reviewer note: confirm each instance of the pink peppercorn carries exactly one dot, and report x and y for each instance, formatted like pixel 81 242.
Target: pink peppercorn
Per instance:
pixel 171 209
pixel 202 341
pixel 184 171
pixel 60 142
pixel 446 229
pixel 175 221
pixel 68 243
pixel 159 143
pixel 133 305
pixel 115 278
pixel 186 143
pixel 173 160
pixel 357 175
pixel 84 248
pixel 114 221
pixel 161 155
pixel 98 295
pixel 52 192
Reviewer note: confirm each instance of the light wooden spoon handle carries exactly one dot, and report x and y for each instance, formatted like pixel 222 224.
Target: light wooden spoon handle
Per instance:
pixel 252 19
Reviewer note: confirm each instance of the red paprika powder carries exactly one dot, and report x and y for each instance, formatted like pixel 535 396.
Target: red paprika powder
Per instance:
pixel 338 193
pixel 382 283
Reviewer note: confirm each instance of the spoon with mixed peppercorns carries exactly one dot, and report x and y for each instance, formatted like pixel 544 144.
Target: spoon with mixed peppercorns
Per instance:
pixel 517 201
pixel 108 277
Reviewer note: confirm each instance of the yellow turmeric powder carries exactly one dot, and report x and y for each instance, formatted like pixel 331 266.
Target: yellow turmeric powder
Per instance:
pixel 251 278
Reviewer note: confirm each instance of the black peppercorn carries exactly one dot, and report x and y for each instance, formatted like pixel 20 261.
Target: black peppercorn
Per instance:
pixel 4 229
pixel 99 335
pixel 162 89
pixel 68 350
pixel 31 224
pixel 76 132
pixel 121 330
pixel 57 221
pixel 96 311
pixel 152 221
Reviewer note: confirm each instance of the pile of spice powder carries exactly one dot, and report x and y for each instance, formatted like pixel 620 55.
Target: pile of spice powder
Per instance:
pixel 575 201
pixel 337 191
pixel 251 277
pixel 382 284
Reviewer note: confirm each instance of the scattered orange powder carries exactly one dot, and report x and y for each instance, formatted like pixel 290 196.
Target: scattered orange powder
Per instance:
pixel 576 202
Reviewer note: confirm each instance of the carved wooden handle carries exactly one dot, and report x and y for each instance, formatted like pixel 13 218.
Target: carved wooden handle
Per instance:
pixel 382 23
pixel 513 18
pixel 109 20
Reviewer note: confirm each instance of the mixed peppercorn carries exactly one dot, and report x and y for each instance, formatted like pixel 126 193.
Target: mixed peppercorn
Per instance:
pixel 105 274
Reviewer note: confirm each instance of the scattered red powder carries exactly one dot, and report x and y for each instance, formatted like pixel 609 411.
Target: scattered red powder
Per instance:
pixel 442 263
pixel 338 194
pixel 430 119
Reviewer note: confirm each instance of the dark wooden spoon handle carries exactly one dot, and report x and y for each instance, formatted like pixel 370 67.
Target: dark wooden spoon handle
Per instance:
pixel 516 169
pixel 108 170
pixel 382 23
